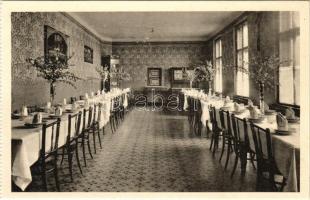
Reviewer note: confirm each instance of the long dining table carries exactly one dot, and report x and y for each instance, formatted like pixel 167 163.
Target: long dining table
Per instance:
pixel 26 142
pixel 286 148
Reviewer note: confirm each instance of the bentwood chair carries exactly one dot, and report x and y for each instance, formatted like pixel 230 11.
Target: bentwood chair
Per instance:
pixel 227 135
pixel 191 109
pixel 95 128
pixel 197 117
pixel 113 115
pixel 216 132
pixel 266 165
pixel 85 136
pixel 47 161
pixel 71 146
pixel 241 144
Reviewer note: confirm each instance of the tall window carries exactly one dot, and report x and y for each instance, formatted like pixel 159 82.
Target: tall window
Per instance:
pixel 218 66
pixel 242 78
pixel 289 54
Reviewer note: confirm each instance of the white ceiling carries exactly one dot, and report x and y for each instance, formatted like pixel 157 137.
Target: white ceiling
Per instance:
pixel 154 26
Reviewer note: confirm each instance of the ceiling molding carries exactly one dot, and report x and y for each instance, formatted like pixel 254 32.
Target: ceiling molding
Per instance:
pixel 103 40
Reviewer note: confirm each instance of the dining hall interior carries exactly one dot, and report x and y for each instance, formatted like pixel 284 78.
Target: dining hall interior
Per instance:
pixel 200 101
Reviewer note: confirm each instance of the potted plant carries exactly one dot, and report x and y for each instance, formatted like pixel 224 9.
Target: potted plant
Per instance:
pixel 54 68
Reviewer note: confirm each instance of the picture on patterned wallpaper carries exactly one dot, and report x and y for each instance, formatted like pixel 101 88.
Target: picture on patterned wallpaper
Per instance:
pixel 88 54
pixel 56 43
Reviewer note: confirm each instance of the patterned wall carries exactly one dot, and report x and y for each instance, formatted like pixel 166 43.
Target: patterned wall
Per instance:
pixel 28 41
pixel 136 58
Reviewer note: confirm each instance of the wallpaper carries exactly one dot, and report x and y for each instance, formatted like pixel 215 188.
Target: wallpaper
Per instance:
pixel 137 58
pixel 28 41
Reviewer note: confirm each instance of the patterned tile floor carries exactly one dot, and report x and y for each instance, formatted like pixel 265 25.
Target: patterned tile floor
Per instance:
pixel 153 152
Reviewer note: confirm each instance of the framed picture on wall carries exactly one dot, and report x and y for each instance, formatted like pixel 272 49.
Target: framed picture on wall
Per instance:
pixel 55 43
pixel 154 76
pixel 88 54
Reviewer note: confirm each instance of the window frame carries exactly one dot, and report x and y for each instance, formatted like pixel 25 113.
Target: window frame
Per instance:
pixel 295 31
pixel 236 51
pixel 215 58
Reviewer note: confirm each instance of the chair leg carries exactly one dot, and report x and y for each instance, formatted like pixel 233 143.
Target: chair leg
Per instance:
pixel 235 166
pixel 56 174
pixel 252 156
pixel 43 177
pixel 84 153
pixel 77 157
pixel 228 153
pixel 98 133
pixel 94 139
pixel 63 155
pixel 70 164
pixel 111 124
pixel 223 148
pixel 243 155
pixel 89 149
pixel 103 131
pixel 212 140
pixel 215 143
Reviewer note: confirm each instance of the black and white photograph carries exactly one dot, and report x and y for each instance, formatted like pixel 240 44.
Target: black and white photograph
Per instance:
pixel 189 100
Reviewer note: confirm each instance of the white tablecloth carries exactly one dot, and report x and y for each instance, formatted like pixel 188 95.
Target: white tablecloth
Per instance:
pixel 286 148
pixel 26 143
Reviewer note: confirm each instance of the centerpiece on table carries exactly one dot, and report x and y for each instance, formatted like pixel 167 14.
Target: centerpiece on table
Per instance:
pixel 119 74
pixel 203 71
pixel 54 68
pixel 263 70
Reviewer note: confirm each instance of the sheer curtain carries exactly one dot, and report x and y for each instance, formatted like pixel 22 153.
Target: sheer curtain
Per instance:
pixel 289 54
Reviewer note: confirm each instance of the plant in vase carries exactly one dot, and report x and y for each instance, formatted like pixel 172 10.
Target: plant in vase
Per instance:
pixel 118 74
pixel 263 70
pixel 204 71
pixel 54 68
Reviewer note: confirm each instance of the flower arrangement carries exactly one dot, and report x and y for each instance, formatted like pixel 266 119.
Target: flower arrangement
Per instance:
pixel 263 69
pixel 103 72
pixel 53 68
pixel 203 71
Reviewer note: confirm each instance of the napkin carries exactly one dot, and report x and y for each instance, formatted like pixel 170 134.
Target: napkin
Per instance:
pixel 24 111
pixel 86 103
pixel 282 122
pixel 58 111
pixel 98 92
pixel 48 107
pixel 102 92
pixel 92 94
pixel 86 96
pixel 74 106
pixel 254 114
pixel 237 107
pixel 37 118
pixel 290 113
pixel 64 102
pixel 250 102
pixel 266 107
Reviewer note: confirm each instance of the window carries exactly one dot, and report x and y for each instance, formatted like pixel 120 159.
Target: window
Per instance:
pixel 289 55
pixel 154 76
pixel 218 66
pixel 242 78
